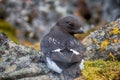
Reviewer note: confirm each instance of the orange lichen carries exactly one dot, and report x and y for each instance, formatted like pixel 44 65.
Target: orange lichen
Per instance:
pixel 115 40
pixel 35 45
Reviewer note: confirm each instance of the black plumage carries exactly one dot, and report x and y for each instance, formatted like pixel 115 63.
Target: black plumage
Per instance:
pixel 61 47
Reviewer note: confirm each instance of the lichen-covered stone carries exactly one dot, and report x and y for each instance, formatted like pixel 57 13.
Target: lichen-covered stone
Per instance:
pixel 18 62
pixel 104 43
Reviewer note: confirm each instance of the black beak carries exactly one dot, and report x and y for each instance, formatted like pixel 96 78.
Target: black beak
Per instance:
pixel 79 31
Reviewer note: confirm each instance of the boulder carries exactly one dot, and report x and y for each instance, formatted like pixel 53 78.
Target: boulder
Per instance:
pixel 104 43
pixel 18 62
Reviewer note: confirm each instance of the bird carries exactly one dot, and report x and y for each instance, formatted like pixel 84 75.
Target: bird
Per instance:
pixel 62 50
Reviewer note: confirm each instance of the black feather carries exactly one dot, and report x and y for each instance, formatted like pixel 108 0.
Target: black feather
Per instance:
pixel 59 37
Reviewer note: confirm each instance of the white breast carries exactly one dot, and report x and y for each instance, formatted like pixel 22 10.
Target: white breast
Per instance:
pixel 82 65
pixel 53 66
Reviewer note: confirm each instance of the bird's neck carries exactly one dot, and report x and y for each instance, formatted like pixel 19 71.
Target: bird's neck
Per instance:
pixel 60 31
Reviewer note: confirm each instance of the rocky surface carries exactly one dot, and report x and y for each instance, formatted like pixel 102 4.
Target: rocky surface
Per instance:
pixel 18 62
pixel 104 43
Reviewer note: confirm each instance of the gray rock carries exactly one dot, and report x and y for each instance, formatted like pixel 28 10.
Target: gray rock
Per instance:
pixel 107 10
pixel 104 43
pixel 18 62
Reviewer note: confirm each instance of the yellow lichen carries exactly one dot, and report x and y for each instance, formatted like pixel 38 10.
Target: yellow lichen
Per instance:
pixel 104 43
pixel 116 31
pixel 101 70
pixel 111 56
pixel 112 23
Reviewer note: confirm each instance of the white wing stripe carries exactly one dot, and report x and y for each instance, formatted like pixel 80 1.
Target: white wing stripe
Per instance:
pixel 75 52
pixel 57 50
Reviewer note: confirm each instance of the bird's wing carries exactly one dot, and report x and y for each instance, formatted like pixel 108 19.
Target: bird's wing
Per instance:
pixel 50 45
pixel 69 51
pixel 76 48
pixel 72 52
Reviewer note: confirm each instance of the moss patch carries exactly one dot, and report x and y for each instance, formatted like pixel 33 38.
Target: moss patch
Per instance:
pixel 8 29
pixel 101 70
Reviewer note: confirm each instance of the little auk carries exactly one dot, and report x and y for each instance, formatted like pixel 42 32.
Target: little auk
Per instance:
pixel 62 50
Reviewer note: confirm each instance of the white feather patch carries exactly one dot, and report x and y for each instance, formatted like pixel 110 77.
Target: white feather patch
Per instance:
pixel 57 50
pixel 53 66
pixel 82 64
pixel 50 39
pixel 74 51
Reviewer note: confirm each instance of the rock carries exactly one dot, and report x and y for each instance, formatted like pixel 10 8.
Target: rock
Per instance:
pixel 102 9
pixel 104 43
pixel 18 62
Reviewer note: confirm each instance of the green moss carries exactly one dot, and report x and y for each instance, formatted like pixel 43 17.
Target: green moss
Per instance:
pixel 101 70
pixel 8 29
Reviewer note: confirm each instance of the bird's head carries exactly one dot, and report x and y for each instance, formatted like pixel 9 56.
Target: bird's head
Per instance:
pixel 71 25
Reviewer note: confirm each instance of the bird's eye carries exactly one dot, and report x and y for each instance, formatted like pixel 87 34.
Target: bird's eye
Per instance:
pixel 71 24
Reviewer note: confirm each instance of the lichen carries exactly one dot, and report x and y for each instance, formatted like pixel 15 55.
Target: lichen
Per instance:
pixel 101 70
pixel 104 43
